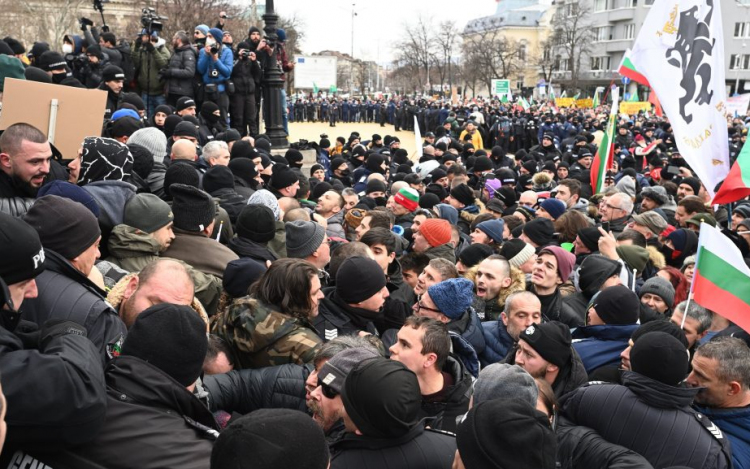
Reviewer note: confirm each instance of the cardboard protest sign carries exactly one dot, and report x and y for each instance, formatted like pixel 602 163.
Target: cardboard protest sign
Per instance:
pixel 79 112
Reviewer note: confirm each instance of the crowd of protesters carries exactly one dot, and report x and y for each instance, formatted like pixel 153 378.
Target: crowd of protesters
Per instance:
pixel 180 293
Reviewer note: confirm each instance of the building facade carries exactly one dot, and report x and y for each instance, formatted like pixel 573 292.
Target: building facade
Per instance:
pixel 615 25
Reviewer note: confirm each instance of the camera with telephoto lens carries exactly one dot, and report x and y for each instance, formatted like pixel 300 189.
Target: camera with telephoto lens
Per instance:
pixel 85 22
pixel 215 49
pixel 152 22
pixel 244 54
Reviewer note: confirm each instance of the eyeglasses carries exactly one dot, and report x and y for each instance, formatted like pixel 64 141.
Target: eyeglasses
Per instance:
pixel 420 306
pixel 328 391
pixel 613 207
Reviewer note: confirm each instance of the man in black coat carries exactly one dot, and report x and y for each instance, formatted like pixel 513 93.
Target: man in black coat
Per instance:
pixel 180 70
pixel 70 235
pixel 423 346
pixel 52 376
pixel 245 74
pixel 650 412
pixel 153 418
pixel 382 403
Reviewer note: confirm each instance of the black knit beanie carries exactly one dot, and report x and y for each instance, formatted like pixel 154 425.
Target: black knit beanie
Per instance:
pixel 661 357
pixel 551 340
pixel 218 177
pixel 590 237
pixel 171 338
pixel 382 398
pixel 271 439
pixel 358 279
pixel 243 169
pixel 180 173
pixel 256 223
pixel 540 230
pixel 193 209
pixel 617 305
pixel 282 177
pixel 20 249
pixel 474 254
pixel 463 194
pixel 64 226
pixel 506 433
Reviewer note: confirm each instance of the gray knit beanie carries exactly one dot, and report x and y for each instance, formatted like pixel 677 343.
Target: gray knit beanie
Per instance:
pixel 501 380
pixel 659 287
pixel 264 197
pixel 153 139
pixel 303 238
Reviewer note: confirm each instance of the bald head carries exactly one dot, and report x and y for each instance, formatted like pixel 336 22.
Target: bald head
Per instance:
pixel 528 198
pixel 184 149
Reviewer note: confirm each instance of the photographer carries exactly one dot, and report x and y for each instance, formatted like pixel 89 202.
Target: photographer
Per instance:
pixel 180 70
pixel 91 73
pixel 245 74
pixel 150 56
pixel 215 63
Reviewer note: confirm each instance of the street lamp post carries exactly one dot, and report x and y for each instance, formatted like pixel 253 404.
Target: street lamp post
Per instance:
pixel 273 84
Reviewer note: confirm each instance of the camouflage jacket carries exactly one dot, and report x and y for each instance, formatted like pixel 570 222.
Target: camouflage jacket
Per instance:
pixel 260 336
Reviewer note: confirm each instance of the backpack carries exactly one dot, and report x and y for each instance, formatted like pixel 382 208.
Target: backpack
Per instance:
pixel 127 62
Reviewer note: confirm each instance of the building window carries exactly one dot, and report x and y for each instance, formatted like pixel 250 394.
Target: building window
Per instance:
pixel 740 61
pixel 629 31
pixel 600 5
pixel 522 52
pixel 600 63
pixel 741 29
pixel 648 2
pixel 603 33
pixel 571 9
pixel 564 65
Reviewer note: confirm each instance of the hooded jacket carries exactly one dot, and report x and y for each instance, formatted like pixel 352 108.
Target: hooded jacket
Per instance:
pixel 152 422
pixel 202 253
pixel 132 250
pixel 65 293
pixel 180 71
pixel 651 418
pixel 590 281
pixel 444 251
pixel 68 401
pixel 244 247
pixel 735 423
pixel 453 401
pixel 259 336
pixel 148 63
pixel 419 448
pixel 336 318
pixel 601 345
pixel 155 179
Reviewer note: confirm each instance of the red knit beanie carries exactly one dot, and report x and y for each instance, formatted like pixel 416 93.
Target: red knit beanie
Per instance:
pixel 436 231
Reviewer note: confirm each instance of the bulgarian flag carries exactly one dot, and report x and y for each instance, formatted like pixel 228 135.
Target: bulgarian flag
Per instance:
pixel 737 184
pixel 721 281
pixel 551 94
pixel 679 53
pixel 596 99
pixel 603 159
pixel 525 104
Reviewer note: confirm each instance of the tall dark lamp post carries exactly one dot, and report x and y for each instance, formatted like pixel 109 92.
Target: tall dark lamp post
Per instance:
pixel 273 84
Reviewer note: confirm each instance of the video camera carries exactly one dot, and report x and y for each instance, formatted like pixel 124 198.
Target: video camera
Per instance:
pixel 152 22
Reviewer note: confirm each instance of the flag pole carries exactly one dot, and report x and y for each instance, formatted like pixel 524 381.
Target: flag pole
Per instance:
pixel 692 282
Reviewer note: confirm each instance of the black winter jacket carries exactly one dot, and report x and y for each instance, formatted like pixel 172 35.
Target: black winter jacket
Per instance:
pixel 454 402
pixel 244 75
pixel 272 387
pixel 54 389
pixel 230 201
pixel 418 449
pixel 554 309
pixel 180 71
pixel 334 319
pixel 153 422
pixel 653 419
pixel 65 293
pixel 583 447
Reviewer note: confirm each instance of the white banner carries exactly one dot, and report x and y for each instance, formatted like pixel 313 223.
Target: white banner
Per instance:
pixel 737 105
pixel 680 51
pixel 417 137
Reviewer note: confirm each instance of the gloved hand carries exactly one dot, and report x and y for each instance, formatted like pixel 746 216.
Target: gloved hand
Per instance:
pixel 138 42
pixel 55 328
pixel 150 46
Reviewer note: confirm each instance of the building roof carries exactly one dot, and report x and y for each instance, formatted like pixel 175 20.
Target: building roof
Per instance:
pixel 511 13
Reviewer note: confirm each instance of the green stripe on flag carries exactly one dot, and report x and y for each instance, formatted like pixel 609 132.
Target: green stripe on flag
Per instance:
pixel 744 161
pixel 724 275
